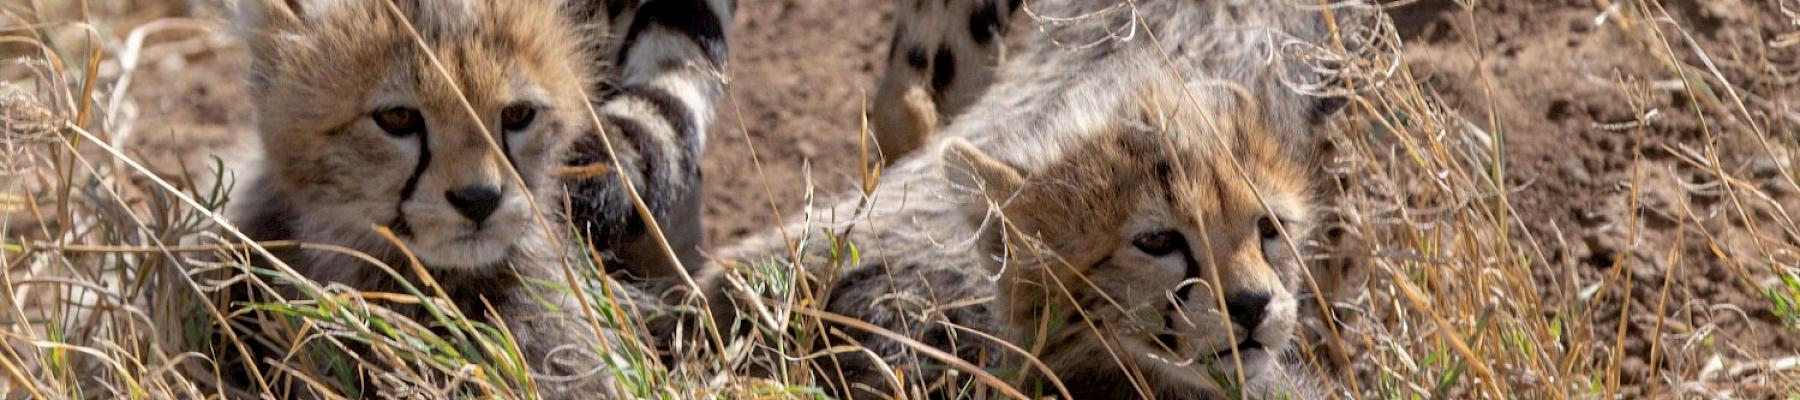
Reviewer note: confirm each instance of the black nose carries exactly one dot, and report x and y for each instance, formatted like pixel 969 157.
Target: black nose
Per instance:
pixel 474 202
pixel 1247 308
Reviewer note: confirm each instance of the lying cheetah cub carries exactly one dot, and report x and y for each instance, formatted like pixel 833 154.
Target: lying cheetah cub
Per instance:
pixel 362 128
pixel 1161 241
pixel 1116 195
pixel 1149 260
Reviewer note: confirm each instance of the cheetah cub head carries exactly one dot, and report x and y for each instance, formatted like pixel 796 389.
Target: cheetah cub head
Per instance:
pixel 362 129
pixel 1157 247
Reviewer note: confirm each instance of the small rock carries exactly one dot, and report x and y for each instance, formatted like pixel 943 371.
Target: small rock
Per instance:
pixel 1766 166
pixel 807 149
pixel 1575 171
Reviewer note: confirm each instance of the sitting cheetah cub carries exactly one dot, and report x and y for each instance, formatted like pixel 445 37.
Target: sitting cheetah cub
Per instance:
pixel 361 128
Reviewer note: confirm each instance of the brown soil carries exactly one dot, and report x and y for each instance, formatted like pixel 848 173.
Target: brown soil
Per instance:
pixel 800 71
pixel 1565 93
pixel 1560 90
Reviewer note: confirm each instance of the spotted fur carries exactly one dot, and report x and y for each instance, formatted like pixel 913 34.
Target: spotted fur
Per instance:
pixel 1033 195
pixel 1148 242
pixel 942 50
pixel 360 128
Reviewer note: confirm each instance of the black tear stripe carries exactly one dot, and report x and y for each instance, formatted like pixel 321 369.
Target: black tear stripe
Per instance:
pixel 506 148
pixel 692 18
pixel 1191 266
pixel 680 119
pixel 400 226
pixel 1190 272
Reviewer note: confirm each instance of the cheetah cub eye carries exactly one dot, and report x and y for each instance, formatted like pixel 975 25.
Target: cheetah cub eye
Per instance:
pixel 399 121
pixel 518 116
pixel 1159 243
pixel 1269 229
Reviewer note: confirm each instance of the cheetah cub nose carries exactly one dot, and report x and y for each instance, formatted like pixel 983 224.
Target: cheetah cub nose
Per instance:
pixel 1247 308
pixel 474 202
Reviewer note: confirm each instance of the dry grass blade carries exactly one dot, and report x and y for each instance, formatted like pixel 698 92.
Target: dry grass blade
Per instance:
pixel 1584 200
pixel 929 351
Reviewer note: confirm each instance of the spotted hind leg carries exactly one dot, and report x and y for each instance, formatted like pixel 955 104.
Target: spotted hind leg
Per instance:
pixel 942 57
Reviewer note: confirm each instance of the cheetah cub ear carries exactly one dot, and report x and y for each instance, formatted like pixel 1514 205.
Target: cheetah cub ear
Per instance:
pixel 279 15
pixel 970 167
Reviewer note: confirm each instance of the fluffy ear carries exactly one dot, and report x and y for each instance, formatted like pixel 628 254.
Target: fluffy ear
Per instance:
pixel 259 16
pixel 280 15
pixel 970 167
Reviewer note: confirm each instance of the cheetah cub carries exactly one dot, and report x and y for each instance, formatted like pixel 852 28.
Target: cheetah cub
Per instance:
pixel 1114 189
pixel 361 128
pixel 1162 242
pixel 1156 257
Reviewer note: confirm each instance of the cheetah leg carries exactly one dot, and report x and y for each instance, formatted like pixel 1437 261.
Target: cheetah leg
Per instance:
pixel 656 118
pixel 906 124
pixel 941 59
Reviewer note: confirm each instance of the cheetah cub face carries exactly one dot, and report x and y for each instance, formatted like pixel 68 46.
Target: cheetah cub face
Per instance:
pixel 1150 242
pixel 362 129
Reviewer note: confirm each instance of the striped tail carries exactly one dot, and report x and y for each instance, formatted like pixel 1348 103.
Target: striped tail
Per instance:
pixel 656 115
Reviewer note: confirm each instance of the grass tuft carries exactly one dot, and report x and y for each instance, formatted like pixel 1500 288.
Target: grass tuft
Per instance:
pixel 124 283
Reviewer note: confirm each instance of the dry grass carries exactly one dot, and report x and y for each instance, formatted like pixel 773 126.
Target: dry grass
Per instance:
pixel 115 277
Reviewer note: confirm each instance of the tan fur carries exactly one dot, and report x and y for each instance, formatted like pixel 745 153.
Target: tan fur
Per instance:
pixel 1029 188
pixel 317 80
pixel 912 125
pixel 330 174
pixel 1071 263
pixel 936 66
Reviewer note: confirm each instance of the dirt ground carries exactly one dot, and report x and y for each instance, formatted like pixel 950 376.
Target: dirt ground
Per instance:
pixel 1564 92
pixel 1566 95
pixel 800 71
